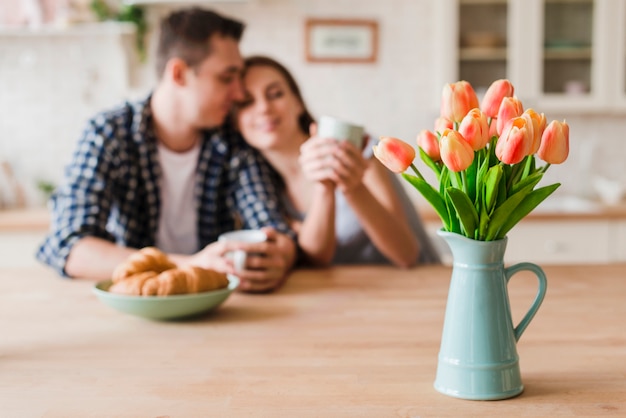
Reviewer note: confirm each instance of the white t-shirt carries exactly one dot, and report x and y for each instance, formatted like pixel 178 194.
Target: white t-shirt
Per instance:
pixel 178 220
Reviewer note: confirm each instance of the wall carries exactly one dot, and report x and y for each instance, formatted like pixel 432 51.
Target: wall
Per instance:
pixel 49 86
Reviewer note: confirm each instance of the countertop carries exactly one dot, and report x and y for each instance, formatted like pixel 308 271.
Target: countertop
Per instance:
pixel 342 342
pixel 38 218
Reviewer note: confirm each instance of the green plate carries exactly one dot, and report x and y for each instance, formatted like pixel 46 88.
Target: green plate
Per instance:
pixel 164 307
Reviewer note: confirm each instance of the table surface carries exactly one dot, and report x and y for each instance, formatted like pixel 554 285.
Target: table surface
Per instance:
pixel 341 342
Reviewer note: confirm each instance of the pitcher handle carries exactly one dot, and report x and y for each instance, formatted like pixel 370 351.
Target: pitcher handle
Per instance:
pixel 541 292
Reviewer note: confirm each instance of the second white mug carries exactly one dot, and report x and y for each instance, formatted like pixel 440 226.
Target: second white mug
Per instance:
pixel 239 257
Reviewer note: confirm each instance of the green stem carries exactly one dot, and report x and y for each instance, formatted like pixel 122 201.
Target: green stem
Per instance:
pixel 416 171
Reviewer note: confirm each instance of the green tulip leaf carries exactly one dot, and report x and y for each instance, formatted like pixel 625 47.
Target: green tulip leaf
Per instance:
pixel 532 179
pixel 430 163
pixel 444 180
pixel 465 210
pixel 502 212
pixel 431 195
pixel 471 173
pixel 455 225
pixel 483 223
pixel 525 207
pixel 492 187
pixel 529 166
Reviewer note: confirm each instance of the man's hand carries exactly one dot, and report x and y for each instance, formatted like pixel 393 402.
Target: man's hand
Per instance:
pixel 267 263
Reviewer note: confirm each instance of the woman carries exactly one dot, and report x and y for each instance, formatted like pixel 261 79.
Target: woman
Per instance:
pixel 346 207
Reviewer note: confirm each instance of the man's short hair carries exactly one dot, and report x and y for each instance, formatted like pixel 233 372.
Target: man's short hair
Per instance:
pixel 186 34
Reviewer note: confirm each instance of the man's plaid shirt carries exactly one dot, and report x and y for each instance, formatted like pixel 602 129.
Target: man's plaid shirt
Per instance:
pixel 111 187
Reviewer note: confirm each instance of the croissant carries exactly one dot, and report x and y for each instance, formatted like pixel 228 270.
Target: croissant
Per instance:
pixel 146 259
pixel 156 280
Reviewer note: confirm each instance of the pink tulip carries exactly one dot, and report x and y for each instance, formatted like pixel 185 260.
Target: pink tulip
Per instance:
pixel 394 153
pixel 428 141
pixel 498 90
pixel 442 123
pixel 457 99
pixel 510 108
pixel 456 153
pixel 554 147
pixel 475 129
pixel 515 141
pixel 538 123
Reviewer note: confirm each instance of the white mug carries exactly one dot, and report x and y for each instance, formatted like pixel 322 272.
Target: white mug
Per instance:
pixel 243 235
pixel 330 127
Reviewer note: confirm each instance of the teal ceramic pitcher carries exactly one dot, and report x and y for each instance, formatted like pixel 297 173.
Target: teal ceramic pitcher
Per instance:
pixel 478 357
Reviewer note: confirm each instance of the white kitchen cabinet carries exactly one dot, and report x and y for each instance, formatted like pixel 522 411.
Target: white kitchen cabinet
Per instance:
pixel 559 54
pixel 551 240
pixel 560 242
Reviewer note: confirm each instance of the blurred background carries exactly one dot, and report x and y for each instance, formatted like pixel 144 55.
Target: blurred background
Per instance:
pixel 61 61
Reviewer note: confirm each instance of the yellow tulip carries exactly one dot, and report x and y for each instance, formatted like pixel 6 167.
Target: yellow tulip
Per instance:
pixel 538 123
pixel 456 153
pixel 475 129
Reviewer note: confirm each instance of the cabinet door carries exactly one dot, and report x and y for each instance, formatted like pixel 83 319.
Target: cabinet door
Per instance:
pixel 573 60
pixel 559 54
pixel 483 42
pixel 562 242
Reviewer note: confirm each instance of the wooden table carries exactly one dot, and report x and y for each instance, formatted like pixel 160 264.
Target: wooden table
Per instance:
pixel 344 342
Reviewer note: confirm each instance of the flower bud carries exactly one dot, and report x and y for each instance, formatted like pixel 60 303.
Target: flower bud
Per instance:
pixel 498 90
pixel 442 124
pixel 457 99
pixel 428 142
pixel 510 108
pixel 515 141
pixel 475 129
pixel 394 153
pixel 554 147
pixel 456 153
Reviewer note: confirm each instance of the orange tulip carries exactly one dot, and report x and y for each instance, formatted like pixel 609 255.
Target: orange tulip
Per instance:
pixel 428 141
pixel 394 153
pixel 475 129
pixel 510 108
pixel 498 90
pixel 442 124
pixel 554 147
pixel 456 153
pixel 457 99
pixel 538 123
pixel 515 141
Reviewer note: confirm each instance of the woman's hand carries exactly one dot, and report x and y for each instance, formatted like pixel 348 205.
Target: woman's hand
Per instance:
pixel 332 162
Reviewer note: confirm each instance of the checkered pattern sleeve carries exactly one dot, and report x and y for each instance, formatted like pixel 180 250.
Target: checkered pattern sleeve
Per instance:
pixel 256 197
pixel 81 206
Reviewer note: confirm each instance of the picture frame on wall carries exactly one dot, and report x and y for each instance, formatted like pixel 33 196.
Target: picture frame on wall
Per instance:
pixel 341 40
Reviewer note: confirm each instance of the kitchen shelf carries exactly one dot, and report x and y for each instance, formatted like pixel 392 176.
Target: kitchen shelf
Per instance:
pixel 567 53
pixel 482 54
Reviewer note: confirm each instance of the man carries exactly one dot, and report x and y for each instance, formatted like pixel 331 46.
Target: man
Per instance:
pixel 167 171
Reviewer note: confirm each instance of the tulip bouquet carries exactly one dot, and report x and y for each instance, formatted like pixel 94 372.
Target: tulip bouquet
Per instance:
pixel 484 159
